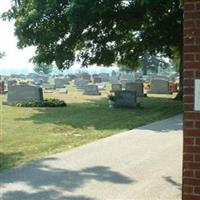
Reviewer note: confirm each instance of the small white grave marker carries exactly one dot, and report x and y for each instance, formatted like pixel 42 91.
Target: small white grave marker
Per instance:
pixel 197 95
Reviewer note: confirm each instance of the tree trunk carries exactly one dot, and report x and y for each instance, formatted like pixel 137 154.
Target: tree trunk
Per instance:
pixel 180 93
pixel 179 96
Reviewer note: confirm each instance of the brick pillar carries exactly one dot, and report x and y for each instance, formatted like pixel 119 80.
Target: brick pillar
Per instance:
pixel 191 60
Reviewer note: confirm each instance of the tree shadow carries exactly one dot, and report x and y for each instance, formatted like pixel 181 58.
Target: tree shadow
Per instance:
pixel 97 114
pixel 172 182
pixel 49 195
pixel 8 160
pixel 173 124
pixel 40 174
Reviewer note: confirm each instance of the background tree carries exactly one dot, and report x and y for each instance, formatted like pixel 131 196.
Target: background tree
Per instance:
pixel 152 63
pixel 2 54
pixel 43 68
pixel 98 31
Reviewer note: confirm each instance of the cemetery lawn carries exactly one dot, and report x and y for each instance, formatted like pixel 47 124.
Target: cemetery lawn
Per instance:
pixel 31 133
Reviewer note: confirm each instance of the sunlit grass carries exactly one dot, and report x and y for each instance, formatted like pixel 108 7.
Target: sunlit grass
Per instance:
pixel 31 133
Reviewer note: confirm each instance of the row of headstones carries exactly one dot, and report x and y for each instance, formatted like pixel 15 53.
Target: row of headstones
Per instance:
pixel 131 86
pixel 17 93
pixel 157 87
pixel 87 88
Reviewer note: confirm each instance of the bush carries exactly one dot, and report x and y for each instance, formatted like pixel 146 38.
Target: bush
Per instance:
pixel 45 103
pixel 112 97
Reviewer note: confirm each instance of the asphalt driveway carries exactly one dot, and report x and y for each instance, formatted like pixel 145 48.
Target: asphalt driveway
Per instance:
pixel 141 164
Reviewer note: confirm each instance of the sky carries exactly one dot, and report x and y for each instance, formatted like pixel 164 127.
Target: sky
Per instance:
pixel 17 60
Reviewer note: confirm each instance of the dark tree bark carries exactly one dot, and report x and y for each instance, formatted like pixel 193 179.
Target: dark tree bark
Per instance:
pixel 179 96
pixel 180 93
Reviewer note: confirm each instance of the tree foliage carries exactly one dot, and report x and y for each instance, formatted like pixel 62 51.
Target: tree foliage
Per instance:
pixel 2 54
pixel 43 68
pixel 97 31
pixel 151 63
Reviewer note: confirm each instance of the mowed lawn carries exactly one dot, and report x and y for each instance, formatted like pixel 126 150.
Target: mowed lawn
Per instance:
pixel 31 133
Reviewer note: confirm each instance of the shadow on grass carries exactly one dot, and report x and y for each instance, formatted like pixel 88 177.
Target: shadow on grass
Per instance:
pixel 49 195
pixel 97 114
pixel 42 180
pixel 8 160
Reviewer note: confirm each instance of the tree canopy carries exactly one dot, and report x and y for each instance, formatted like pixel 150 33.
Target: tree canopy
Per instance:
pixel 2 54
pixel 152 63
pixel 97 31
pixel 43 68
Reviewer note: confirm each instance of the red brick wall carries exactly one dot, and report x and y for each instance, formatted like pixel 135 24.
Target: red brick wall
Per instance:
pixel 191 59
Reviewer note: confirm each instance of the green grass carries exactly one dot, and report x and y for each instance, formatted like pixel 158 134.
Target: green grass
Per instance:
pixel 31 133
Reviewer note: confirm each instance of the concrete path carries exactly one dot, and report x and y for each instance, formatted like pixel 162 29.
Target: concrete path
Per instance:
pixel 142 164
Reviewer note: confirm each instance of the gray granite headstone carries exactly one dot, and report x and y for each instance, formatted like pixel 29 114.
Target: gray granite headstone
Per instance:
pixel 124 82
pixel 2 87
pixel 92 90
pixel 19 93
pixel 114 80
pixel 159 87
pixel 116 87
pixel 137 87
pixel 81 84
pixel 125 99
pixel 59 82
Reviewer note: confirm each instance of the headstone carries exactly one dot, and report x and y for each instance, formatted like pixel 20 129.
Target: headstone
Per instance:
pixel 101 86
pixel 19 93
pixel 97 80
pixel 116 87
pixel 86 76
pixel 67 81
pixel 81 84
pixel 72 77
pixel 59 82
pixel 125 99
pixel 11 83
pixel 159 87
pixel 130 76
pixel 63 91
pixel 2 87
pixel 92 90
pixel 161 77
pixel 138 87
pixel 124 82
pixel 114 79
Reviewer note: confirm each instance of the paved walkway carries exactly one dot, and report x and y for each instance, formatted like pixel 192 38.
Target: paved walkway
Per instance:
pixel 142 164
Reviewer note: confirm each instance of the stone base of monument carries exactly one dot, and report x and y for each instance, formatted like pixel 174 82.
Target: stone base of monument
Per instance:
pixel 125 99
pixel 160 92
pixel 48 91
